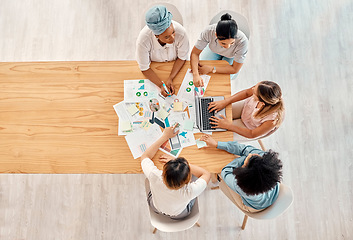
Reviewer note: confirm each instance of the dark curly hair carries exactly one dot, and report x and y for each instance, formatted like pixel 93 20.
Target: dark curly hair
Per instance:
pixel 261 174
pixel 176 173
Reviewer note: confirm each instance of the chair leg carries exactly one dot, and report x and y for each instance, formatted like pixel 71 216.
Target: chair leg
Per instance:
pixel 214 181
pixel 197 224
pixel 261 144
pixel 154 230
pixel 244 222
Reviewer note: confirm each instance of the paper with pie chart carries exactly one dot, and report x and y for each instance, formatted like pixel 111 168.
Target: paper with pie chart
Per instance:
pixel 187 88
pixel 137 121
pixel 140 90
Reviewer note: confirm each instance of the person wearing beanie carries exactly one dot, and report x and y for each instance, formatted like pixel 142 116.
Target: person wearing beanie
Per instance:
pixel 161 40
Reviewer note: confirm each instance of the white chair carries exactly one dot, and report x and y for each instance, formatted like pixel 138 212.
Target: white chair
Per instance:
pixel 237 107
pixel 284 200
pixel 166 224
pixel 170 7
pixel 241 21
pixel 268 134
pixel 214 178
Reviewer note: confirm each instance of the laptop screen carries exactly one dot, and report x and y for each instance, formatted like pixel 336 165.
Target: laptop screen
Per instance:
pixel 197 107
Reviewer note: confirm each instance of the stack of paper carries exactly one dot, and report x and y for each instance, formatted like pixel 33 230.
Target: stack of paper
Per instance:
pixel 135 117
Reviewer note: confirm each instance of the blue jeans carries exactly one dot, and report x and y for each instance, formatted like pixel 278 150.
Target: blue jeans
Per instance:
pixel 207 54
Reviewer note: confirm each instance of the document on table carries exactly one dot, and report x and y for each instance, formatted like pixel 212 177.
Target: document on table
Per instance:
pixel 122 112
pixel 135 117
pixel 140 140
pixel 167 148
pixel 187 89
pixel 185 137
pixel 135 126
pixel 140 90
pixel 178 117
pixel 166 101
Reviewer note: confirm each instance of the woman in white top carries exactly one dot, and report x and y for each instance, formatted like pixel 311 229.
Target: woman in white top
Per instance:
pixel 221 41
pixel 257 111
pixel 162 40
pixel 172 193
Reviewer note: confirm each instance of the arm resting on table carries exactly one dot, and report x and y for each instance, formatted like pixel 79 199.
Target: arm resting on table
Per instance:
pixel 238 149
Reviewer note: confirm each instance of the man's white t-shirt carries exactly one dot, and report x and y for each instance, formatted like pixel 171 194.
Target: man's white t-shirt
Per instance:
pixel 165 200
pixel 148 49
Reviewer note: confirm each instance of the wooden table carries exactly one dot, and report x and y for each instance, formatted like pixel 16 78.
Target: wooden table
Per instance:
pixel 58 117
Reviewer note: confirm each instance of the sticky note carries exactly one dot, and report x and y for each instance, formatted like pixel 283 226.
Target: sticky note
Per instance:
pixel 125 126
pixel 188 125
pixel 132 109
pixel 146 124
pixel 162 113
pixel 178 106
pixel 200 144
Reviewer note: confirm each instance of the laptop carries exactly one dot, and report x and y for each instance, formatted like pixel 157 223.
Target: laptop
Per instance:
pixel 203 115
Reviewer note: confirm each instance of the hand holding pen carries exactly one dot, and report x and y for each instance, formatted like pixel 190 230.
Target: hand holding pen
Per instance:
pixel 167 91
pixel 165 88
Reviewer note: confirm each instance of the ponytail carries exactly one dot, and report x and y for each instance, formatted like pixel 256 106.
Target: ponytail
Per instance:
pixel 226 16
pixel 270 93
pixel 226 28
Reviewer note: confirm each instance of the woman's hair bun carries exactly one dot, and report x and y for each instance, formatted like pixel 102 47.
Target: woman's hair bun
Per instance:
pixel 226 16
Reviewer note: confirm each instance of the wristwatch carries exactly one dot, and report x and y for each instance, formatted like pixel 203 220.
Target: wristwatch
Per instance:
pixel 214 70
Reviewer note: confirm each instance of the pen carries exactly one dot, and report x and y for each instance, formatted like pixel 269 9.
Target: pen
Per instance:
pixel 165 88
pixel 176 127
pixel 197 91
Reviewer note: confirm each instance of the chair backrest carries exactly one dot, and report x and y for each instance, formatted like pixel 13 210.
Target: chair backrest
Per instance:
pixel 170 7
pixel 283 202
pixel 166 224
pixel 241 21
pixel 267 134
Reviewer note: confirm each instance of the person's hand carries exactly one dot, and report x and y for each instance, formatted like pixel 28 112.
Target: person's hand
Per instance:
pixel 170 86
pixel 163 92
pixel 204 69
pixel 209 141
pixel 169 132
pixel 165 158
pixel 220 122
pixel 198 81
pixel 217 106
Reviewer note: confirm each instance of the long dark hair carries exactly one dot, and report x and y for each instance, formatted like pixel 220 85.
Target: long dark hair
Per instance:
pixel 176 173
pixel 261 174
pixel 226 28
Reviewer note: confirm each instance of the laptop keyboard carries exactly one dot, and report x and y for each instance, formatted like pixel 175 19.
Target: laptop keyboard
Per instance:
pixel 206 114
